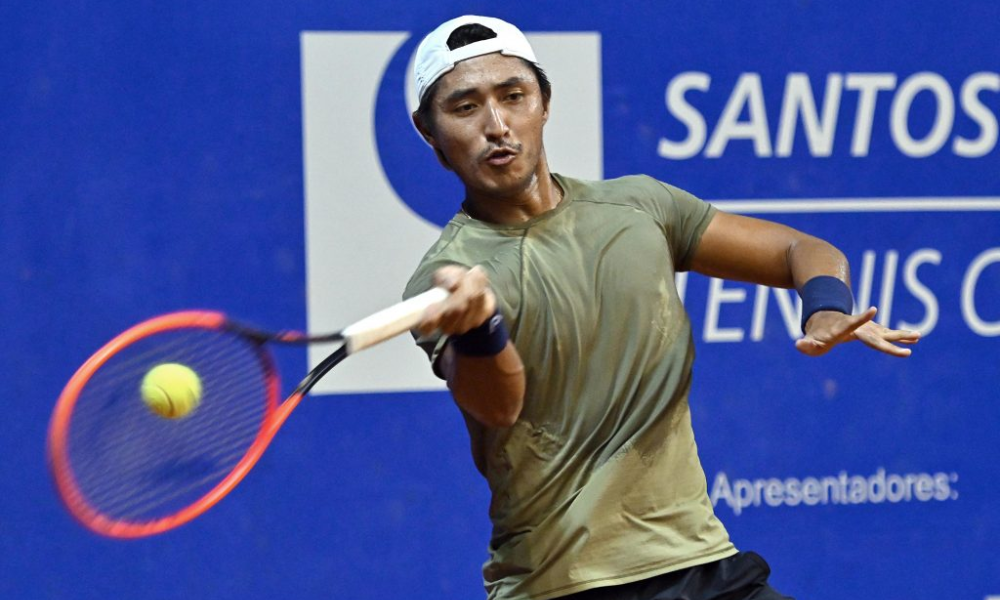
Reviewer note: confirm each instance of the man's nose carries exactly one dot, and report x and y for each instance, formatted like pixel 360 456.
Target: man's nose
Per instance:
pixel 496 121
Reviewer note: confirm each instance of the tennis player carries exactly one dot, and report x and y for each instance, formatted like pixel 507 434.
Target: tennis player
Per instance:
pixel 567 348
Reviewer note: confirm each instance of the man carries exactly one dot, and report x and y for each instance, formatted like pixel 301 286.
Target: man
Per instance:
pixel 567 349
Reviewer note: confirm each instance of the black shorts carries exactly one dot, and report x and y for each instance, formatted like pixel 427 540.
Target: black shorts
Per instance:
pixel 742 576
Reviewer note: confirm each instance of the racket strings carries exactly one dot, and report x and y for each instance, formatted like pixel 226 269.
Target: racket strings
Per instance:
pixel 133 506
pixel 105 489
pixel 212 433
pixel 137 356
pixel 133 465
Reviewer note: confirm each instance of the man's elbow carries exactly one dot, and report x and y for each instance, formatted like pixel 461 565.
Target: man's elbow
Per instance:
pixel 497 408
pixel 500 416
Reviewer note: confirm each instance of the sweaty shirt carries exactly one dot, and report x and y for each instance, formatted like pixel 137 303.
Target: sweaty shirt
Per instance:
pixel 598 482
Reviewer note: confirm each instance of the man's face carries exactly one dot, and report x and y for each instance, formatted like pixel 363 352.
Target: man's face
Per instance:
pixel 488 114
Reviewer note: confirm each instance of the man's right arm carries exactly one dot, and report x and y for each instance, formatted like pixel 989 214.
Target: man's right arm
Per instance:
pixel 489 388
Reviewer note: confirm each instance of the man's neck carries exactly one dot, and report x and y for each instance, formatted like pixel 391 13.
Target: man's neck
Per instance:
pixel 540 196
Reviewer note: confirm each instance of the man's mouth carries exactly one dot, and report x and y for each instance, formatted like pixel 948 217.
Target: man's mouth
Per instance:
pixel 500 157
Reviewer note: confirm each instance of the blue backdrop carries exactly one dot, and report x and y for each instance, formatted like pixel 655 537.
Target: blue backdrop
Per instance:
pixel 151 159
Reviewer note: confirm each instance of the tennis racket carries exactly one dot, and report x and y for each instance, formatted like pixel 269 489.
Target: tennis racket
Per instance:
pixel 125 472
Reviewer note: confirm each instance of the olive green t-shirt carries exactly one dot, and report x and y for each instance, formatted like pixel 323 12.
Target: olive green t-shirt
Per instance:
pixel 598 482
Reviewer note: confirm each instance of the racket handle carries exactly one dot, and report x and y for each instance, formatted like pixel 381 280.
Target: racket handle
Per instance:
pixel 390 322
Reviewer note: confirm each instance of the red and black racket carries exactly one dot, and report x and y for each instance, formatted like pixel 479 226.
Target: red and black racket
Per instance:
pixel 124 471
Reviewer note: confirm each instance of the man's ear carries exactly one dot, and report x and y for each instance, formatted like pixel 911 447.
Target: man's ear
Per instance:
pixel 422 128
pixel 427 134
pixel 442 159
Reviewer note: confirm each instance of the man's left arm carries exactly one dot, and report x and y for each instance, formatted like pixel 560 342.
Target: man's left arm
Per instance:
pixel 767 253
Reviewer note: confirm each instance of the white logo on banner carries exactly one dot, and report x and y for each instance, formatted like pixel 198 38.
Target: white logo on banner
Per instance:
pixel 362 240
pixel 819 117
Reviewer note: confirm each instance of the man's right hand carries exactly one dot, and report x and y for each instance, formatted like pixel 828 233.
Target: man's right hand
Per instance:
pixel 471 301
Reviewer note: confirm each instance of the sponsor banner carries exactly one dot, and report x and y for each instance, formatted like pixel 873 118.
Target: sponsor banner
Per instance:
pixel 891 156
pixel 258 159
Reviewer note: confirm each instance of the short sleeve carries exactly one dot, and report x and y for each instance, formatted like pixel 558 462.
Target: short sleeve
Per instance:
pixel 686 219
pixel 433 344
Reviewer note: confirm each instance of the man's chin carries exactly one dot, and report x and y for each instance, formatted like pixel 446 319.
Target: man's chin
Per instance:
pixel 502 191
pixel 505 183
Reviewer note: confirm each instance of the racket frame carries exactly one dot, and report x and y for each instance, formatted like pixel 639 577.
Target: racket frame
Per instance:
pixel 367 332
pixel 58 434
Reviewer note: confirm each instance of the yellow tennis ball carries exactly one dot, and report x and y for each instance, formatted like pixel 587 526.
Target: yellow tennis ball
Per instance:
pixel 171 390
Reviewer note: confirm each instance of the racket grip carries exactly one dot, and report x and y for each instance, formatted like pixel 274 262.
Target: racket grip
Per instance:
pixel 390 322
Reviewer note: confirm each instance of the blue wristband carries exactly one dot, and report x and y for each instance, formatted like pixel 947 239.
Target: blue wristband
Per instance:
pixel 825 293
pixel 486 340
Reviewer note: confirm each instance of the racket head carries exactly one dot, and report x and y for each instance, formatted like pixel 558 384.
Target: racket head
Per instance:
pixel 124 471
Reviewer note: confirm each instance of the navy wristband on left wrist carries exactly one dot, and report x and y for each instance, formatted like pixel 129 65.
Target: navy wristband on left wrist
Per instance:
pixel 825 293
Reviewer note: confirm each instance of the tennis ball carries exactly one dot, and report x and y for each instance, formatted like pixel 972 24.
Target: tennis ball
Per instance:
pixel 171 390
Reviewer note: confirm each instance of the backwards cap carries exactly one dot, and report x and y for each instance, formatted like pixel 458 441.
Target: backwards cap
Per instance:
pixel 434 58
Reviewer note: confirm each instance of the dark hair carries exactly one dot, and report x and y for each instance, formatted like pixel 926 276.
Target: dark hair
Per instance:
pixel 463 36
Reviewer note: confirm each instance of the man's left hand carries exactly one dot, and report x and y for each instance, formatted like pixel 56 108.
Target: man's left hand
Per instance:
pixel 825 329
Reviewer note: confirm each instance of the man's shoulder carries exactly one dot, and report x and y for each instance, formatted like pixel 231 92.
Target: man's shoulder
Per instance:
pixel 625 187
pixel 443 252
pixel 640 192
pixel 665 204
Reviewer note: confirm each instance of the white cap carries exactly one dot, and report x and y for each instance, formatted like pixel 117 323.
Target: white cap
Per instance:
pixel 434 58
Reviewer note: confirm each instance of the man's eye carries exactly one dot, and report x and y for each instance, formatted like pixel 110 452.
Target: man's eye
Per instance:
pixel 465 107
pixel 515 96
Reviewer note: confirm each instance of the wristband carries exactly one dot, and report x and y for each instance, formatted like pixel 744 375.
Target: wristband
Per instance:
pixel 487 339
pixel 825 293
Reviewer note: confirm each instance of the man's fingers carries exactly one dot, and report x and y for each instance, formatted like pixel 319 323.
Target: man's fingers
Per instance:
pixel 882 339
pixel 893 335
pixel 901 336
pixel 445 317
pixel 430 320
pixel 449 277
pixel 470 303
pixel 881 345
pixel 856 321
